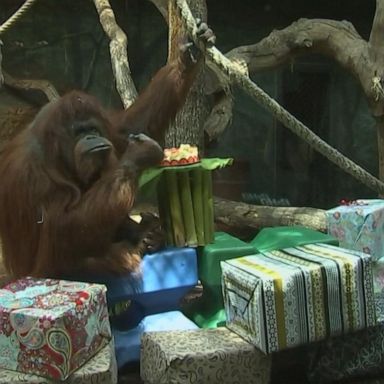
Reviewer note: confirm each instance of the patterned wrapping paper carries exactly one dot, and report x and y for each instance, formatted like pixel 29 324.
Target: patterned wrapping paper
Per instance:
pixel 128 342
pixel 281 299
pixel 208 311
pixel 348 357
pixel 359 226
pixel 224 247
pixel 378 288
pixel 51 327
pixel 101 369
pixel 205 356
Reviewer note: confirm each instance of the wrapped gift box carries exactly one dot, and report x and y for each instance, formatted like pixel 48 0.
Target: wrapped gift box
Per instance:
pixel 205 356
pixel 128 342
pixel 51 327
pixel 284 298
pixel 223 248
pixel 101 369
pixel 359 226
pixel 348 357
pixel 378 288
pixel 164 278
pixel 208 311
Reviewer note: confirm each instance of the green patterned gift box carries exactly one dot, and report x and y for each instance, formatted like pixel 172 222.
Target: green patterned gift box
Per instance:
pixel 285 298
pixel 205 356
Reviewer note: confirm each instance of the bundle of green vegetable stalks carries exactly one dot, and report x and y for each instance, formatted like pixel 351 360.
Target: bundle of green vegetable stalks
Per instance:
pixel 185 200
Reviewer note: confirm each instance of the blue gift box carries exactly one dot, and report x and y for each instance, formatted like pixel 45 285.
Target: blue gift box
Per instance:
pixel 128 343
pixel 165 277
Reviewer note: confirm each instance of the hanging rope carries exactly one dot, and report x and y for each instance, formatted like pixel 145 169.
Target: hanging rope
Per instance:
pixel 277 110
pixel 19 13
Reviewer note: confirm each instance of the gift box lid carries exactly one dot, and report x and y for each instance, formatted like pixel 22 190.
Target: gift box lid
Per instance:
pixel 36 296
pixel 365 206
pixel 359 225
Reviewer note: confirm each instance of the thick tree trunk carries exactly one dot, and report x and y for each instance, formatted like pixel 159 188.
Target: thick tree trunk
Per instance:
pixel 118 49
pixel 241 215
pixel 188 124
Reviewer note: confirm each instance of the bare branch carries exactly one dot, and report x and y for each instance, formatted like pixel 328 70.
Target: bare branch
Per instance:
pixel 162 6
pixel 336 39
pixel 377 31
pixel 118 49
pixel 43 86
pixel 220 116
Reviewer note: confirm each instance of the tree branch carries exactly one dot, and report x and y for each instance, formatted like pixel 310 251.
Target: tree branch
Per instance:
pixel 240 215
pixel 279 112
pixel 118 49
pixel 162 6
pixel 377 31
pixel 43 86
pixel 220 116
pixel 336 39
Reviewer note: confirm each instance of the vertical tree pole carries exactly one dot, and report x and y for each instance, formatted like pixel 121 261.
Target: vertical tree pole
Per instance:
pixel 188 125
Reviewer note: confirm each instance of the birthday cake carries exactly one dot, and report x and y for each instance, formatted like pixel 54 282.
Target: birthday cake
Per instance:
pixel 183 155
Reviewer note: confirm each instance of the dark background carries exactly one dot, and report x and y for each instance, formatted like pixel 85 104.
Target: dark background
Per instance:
pixel 63 42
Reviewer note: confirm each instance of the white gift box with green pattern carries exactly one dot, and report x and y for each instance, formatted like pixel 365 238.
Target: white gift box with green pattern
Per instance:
pixel 285 298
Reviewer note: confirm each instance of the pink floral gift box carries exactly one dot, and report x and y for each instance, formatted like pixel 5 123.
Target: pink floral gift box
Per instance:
pixel 51 327
pixel 359 225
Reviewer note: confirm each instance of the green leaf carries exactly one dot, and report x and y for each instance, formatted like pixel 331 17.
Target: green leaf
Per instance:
pixel 207 164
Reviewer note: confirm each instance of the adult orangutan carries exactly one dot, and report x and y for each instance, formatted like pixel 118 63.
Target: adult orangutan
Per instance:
pixel 69 180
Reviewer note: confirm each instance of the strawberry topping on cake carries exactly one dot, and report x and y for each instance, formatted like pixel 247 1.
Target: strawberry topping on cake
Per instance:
pixel 183 155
